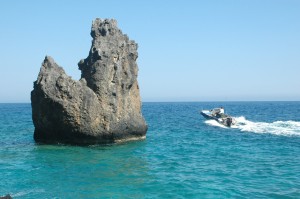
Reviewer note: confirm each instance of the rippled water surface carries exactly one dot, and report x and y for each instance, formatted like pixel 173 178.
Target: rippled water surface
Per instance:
pixel 184 156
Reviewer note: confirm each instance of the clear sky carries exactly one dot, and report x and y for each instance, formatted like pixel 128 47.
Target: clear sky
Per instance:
pixel 226 50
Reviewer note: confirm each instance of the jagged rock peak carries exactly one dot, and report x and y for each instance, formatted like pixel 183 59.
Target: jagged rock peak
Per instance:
pixel 48 62
pixel 104 27
pixel 48 59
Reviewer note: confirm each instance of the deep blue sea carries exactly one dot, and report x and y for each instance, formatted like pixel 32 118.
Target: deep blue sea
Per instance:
pixel 184 156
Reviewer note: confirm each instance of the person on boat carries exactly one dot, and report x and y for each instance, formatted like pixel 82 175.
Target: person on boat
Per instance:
pixel 217 112
pixel 220 112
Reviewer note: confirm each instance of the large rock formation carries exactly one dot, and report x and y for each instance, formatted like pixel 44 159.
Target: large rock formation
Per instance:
pixel 104 106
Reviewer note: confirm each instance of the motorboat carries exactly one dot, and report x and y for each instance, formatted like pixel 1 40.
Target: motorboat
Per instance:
pixel 218 115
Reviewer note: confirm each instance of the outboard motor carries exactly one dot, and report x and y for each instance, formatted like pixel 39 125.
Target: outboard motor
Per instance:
pixel 228 121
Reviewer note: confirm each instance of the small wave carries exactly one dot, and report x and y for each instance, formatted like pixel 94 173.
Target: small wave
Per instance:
pixel 27 192
pixel 286 128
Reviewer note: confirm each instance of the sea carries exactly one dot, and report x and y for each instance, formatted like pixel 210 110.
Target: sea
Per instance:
pixel 184 156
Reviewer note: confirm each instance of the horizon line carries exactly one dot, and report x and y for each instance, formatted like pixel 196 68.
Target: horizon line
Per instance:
pixel 187 101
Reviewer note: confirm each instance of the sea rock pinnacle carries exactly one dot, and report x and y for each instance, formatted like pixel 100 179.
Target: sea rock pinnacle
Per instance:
pixel 104 106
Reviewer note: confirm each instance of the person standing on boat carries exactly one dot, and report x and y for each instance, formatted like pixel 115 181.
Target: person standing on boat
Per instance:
pixel 221 110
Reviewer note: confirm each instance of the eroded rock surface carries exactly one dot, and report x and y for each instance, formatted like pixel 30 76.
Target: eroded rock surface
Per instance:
pixel 104 106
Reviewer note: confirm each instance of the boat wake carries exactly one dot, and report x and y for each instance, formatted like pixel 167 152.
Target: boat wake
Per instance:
pixel 286 128
pixel 215 123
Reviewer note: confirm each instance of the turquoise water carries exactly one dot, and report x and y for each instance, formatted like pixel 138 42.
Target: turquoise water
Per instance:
pixel 184 156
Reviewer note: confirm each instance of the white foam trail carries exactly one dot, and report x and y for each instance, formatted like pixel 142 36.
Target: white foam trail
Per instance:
pixel 286 128
pixel 214 123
